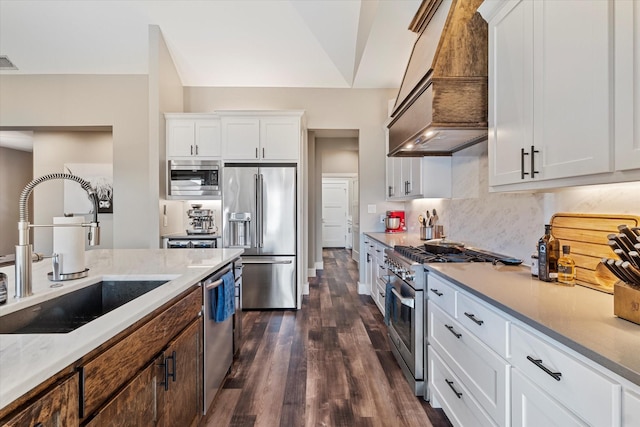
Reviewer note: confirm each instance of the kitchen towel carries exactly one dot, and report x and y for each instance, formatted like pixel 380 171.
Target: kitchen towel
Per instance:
pixel 223 298
pixel 68 243
pixel 389 303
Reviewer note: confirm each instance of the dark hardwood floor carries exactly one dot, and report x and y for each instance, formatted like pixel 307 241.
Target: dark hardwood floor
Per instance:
pixel 328 364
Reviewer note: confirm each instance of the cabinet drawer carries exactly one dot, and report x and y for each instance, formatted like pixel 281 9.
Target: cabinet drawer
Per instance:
pixel 482 372
pixel 441 293
pixel 533 407
pixel 57 407
pixel 630 409
pixel 455 399
pixel 111 369
pixel 483 322
pixel 577 386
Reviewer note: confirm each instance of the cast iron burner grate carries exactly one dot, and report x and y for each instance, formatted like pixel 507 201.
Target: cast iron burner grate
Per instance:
pixel 422 256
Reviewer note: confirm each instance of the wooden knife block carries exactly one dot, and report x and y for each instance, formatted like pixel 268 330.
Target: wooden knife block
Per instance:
pixel 626 302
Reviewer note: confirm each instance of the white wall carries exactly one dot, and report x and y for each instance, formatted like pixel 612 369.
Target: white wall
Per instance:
pixel 16 171
pixel 339 155
pixel 512 223
pixel 51 151
pixel 80 101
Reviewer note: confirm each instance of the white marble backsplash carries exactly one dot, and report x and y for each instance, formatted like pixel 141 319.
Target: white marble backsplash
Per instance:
pixel 511 223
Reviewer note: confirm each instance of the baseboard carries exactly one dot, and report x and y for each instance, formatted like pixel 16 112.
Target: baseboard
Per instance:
pixel 319 265
pixel 305 288
pixel 364 288
pixel 311 272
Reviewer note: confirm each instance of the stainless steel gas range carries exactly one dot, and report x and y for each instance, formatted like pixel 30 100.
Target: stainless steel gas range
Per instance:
pixel 407 319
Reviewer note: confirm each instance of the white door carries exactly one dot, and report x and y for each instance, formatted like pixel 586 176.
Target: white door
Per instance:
pixel 334 212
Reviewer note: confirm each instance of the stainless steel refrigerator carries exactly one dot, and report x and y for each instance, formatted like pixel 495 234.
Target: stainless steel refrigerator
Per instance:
pixel 259 215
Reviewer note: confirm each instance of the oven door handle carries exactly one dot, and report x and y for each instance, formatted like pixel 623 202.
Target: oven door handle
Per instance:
pixel 409 302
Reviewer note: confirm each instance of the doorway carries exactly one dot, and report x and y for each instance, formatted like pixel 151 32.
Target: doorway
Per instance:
pixel 335 206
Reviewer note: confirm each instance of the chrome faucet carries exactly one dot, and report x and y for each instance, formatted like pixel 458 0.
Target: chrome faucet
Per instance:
pixel 24 284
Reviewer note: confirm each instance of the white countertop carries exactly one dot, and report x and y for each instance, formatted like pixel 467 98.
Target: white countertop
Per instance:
pixel 393 239
pixel 578 317
pixel 28 360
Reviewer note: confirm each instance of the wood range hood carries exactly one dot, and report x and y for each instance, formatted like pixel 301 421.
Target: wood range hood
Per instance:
pixel 442 103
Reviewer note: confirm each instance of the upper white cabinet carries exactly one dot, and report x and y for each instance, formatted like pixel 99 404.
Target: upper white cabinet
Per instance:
pixel 261 137
pixel 418 177
pixel 550 97
pixel 627 85
pixel 193 135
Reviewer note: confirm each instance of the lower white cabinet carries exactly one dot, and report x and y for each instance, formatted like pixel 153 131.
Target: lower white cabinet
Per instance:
pixel 482 371
pixel 590 395
pixel 532 407
pixel 448 392
pixel 630 408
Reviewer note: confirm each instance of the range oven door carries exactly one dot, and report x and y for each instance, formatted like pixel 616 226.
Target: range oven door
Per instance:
pixel 406 326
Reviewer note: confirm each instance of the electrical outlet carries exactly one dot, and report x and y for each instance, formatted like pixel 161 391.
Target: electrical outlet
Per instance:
pixel 382 218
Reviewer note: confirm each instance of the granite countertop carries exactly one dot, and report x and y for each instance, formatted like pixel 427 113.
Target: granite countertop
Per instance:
pixel 578 317
pixel 28 360
pixel 393 239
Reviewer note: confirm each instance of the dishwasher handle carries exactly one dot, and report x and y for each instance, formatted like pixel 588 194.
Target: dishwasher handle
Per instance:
pixel 216 279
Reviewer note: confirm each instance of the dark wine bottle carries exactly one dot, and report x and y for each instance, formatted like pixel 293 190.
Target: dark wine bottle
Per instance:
pixel 548 254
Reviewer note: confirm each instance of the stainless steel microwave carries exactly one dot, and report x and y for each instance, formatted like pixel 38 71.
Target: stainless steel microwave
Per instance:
pixel 194 179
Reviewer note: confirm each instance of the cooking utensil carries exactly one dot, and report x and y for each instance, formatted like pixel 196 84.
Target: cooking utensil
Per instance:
pixel 441 246
pixel 632 272
pixel 421 220
pixel 633 238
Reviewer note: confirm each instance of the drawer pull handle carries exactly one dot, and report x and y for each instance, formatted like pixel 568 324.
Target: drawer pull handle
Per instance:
pixel 538 362
pixel 435 291
pixel 473 317
pixel 450 328
pixel 450 384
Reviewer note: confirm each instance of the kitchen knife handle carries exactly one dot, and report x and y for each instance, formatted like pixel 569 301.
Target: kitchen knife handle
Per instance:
pixel 522 172
pixel 533 161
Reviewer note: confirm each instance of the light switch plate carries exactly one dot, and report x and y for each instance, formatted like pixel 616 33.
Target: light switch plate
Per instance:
pixel 371 208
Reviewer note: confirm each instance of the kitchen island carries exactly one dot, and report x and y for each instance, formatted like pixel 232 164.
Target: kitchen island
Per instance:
pixel 27 360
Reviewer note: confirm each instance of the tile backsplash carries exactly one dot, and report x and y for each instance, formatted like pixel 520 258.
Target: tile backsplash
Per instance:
pixel 511 223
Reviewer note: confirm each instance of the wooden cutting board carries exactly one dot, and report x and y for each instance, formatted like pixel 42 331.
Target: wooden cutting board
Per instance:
pixel 587 236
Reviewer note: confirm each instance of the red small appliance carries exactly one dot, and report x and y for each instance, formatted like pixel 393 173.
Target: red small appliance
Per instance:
pixel 394 222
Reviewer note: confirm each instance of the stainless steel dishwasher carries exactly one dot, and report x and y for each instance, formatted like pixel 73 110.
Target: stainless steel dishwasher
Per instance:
pixel 218 342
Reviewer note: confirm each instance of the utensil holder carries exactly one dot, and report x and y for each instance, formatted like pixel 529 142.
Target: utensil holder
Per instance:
pixel 626 302
pixel 426 233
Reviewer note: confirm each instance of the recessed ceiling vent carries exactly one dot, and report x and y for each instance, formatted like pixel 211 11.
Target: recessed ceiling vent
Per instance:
pixel 6 64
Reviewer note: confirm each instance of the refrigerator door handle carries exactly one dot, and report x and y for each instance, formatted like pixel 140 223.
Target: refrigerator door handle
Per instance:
pixel 261 210
pixel 258 231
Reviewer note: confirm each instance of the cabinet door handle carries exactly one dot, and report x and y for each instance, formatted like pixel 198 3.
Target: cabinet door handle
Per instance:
pixel 450 384
pixel 522 172
pixel 196 150
pixel 409 187
pixel 166 370
pixel 368 258
pixel 256 152
pixel 435 291
pixel 538 362
pixel 473 317
pixel 192 150
pixel 263 152
pixel 450 328
pixel 533 161
pixel 390 191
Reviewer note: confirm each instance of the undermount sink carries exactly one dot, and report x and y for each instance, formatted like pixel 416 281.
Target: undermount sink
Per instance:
pixel 75 309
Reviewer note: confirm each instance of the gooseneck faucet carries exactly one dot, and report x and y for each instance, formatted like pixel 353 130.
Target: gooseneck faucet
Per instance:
pixel 24 286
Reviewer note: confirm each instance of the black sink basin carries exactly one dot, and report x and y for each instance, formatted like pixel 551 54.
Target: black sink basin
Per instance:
pixel 68 312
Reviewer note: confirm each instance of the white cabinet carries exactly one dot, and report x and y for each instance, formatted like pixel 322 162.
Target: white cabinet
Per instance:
pixel 193 135
pixel 591 396
pixel 532 407
pixel 626 80
pixel 418 177
pixel 261 137
pixel 550 97
pixel 630 408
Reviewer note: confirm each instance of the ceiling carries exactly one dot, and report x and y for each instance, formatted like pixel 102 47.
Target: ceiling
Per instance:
pixel 224 43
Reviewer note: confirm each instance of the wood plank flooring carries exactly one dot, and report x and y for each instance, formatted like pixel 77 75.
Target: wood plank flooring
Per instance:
pixel 328 364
